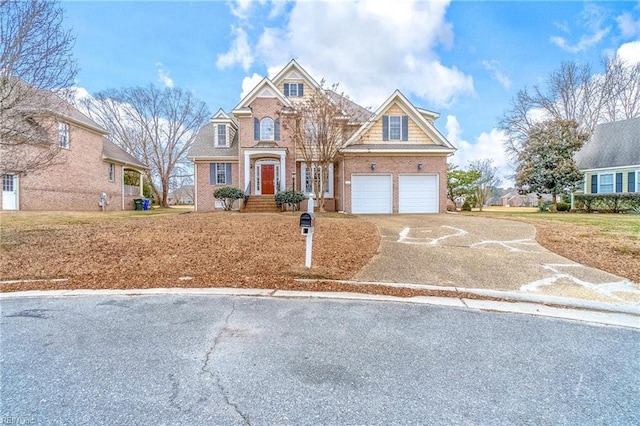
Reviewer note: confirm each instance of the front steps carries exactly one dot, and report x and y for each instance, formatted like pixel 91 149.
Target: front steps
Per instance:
pixel 260 204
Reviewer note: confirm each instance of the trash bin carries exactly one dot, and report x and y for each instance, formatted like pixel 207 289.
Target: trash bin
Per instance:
pixel 139 203
pixel 145 205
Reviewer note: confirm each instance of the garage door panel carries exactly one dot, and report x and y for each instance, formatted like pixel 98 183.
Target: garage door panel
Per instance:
pixel 418 194
pixel 371 194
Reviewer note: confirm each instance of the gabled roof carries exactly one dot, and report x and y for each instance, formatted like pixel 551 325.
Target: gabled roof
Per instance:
pixel 265 88
pixel 615 144
pixel 397 98
pixel 203 148
pixel 111 151
pixel 223 117
pixel 293 67
pixel 356 113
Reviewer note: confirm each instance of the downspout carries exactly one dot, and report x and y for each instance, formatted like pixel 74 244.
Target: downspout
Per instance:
pixel 122 188
pixel 195 186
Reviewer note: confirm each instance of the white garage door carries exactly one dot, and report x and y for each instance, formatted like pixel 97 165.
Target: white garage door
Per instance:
pixel 371 194
pixel 418 194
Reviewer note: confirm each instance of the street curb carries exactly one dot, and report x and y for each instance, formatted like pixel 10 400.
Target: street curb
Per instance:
pixel 540 307
pixel 505 295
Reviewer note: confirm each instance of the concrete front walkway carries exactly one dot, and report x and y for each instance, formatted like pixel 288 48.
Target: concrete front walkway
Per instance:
pixel 484 253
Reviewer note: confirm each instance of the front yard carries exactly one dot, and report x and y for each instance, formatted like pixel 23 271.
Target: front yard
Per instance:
pixel 163 248
pixel 610 242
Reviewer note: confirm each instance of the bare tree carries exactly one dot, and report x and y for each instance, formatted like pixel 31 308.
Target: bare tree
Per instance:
pixel 575 93
pixel 36 68
pixel 319 133
pixel 487 181
pixel 155 125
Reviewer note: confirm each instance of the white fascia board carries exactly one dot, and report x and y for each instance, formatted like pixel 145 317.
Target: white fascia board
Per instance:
pixel 210 158
pixel 244 103
pixel 604 169
pixel 352 150
pixel 294 65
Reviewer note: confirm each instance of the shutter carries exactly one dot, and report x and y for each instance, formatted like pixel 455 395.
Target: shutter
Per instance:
pixel 212 173
pixel 301 90
pixel 228 174
pixel 385 127
pixel 594 184
pixel 618 182
pixel 256 129
pixel 276 129
pixel 286 89
pixel 405 128
pixel 632 182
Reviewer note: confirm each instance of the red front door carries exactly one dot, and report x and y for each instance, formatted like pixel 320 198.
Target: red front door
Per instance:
pixel 267 179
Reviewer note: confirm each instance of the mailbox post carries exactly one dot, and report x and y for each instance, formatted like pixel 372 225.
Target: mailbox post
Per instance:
pixel 307 223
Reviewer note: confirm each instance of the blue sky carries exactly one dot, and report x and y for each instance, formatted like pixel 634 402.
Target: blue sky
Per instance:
pixel 463 59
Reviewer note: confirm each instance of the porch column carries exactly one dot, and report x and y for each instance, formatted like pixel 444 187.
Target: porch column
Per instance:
pixel 283 171
pixel 247 171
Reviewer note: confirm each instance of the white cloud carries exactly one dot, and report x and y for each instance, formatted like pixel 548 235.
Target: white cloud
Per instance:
pixel 240 52
pixel 628 26
pixel 497 74
pixel 586 41
pixel 487 146
pixel 163 76
pixel 248 83
pixel 370 48
pixel 630 52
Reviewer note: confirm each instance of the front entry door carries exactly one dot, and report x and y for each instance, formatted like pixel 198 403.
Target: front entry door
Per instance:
pixel 9 192
pixel 267 172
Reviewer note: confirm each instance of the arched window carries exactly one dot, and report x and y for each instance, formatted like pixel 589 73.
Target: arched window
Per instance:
pixel 266 129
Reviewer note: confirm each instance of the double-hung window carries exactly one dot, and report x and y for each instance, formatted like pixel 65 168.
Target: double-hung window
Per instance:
pixel 606 183
pixel 220 173
pixel 221 135
pixel 294 90
pixel 63 135
pixel 395 127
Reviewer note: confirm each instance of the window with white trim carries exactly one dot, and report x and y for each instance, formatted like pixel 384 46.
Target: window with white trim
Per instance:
pixel 308 179
pixel 267 129
pixel 606 183
pixel 221 174
pixel 63 135
pixel 294 90
pixel 112 172
pixel 221 135
pixel 395 127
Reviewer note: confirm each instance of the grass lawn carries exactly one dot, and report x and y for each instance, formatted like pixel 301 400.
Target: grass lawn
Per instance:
pixel 174 248
pixel 610 242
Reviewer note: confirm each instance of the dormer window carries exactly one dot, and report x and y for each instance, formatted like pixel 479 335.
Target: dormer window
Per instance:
pixel 294 90
pixel 221 135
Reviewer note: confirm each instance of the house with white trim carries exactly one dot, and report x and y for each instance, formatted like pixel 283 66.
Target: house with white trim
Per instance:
pixel 393 160
pixel 610 159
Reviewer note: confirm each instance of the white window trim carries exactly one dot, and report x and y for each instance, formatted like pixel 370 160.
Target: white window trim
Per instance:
pixel 224 173
pixel 273 130
pixel 303 181
pixel 613 179
pixel 217 136
pixel 399 138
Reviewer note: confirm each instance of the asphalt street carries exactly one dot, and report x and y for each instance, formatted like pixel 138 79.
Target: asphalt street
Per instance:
pixel 195 359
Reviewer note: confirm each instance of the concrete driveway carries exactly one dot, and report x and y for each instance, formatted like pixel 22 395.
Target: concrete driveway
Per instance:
pixel 474 252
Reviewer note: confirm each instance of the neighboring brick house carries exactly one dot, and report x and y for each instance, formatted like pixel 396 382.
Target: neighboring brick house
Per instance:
pixel 393 160
pixel 610 160
pixel 87 166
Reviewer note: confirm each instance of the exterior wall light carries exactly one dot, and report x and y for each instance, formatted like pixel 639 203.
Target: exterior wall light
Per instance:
pixel 419 166
pixel 373 166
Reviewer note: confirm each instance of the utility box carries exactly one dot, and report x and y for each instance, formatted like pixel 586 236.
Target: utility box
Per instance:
pixel 307 223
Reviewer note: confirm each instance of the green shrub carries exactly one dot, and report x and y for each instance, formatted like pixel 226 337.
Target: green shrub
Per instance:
pixel 544 207
pixel 290 198
pixel 228 195
pixel 563 207
pixel 466 206
pixel 615 203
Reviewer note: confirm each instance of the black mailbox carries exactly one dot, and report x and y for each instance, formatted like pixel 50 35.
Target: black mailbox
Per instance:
pixel 307 220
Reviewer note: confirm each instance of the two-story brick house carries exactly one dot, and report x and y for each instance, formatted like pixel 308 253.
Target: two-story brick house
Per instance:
pixel 87 166
pixel 392 160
